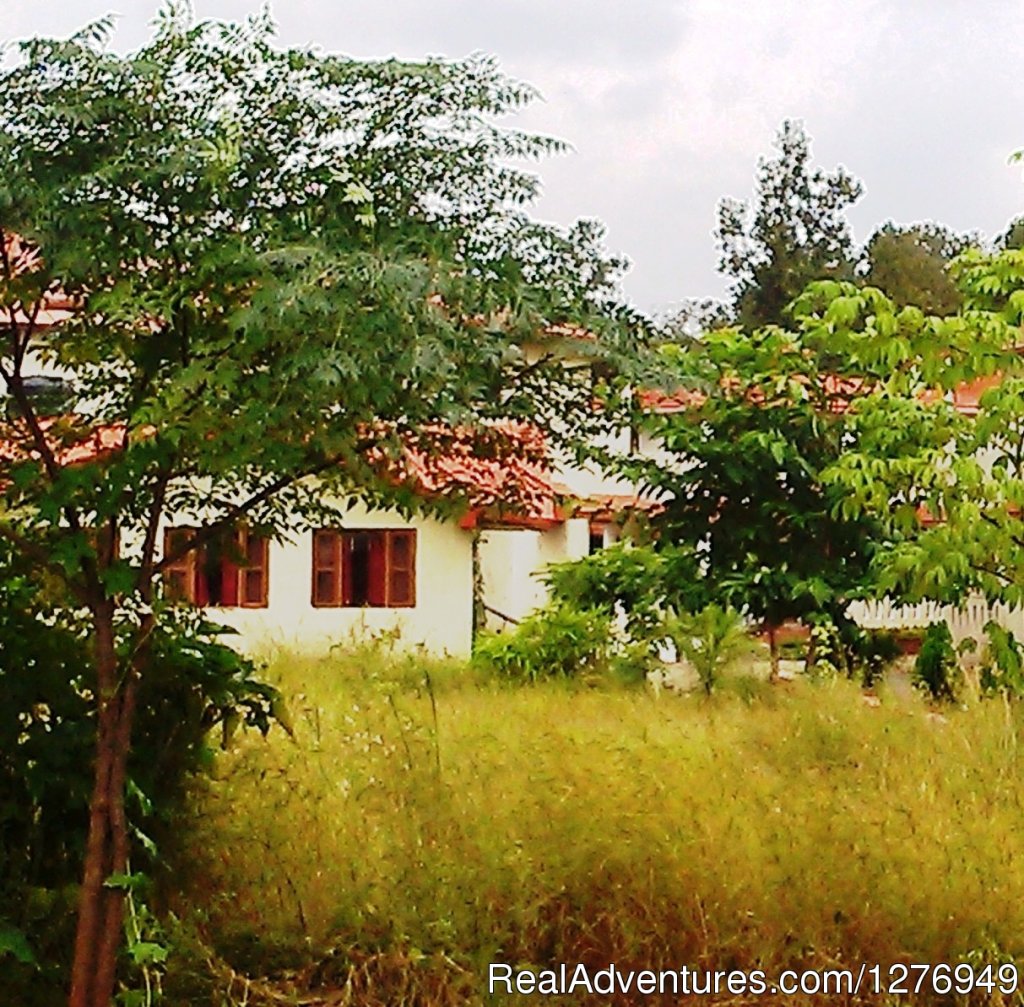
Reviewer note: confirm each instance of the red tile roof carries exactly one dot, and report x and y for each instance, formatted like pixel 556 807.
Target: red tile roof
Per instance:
pixel 651 400
pixel 502 472
pixel 841 392
pixel 54 308
pixel 569 330
pixel 71 444
pixel 609 507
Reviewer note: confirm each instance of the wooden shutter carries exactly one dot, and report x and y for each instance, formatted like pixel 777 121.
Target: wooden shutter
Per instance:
pixel 251 581
pixel 346 555
pixel 401 568
pixel 224 567
pixel 327 585
pixel 180 576
pixel 377 562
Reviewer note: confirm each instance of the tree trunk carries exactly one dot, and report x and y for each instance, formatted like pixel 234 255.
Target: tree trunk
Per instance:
pixel 811 654
pixel 773 650
pixel 101 909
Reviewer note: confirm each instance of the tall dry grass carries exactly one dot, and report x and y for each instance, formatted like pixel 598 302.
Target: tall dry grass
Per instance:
pixel 408 835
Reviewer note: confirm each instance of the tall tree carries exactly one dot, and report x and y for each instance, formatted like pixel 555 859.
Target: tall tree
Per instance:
pixel 911 264
pixel 793 232
pixel 271 258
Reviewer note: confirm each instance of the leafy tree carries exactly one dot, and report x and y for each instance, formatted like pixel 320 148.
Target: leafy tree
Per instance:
pixel 277 260
pixel 937 458
pixel 911 264
pixel 47 732
pixel 744 483
pixel 793 232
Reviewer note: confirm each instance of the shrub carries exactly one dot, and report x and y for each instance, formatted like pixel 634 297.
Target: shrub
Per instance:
pixel 193 683
pixel 848 649
pixel 1002 664
pixel 936 669
pixel 711 640
pixel 641 582
pixel 560 641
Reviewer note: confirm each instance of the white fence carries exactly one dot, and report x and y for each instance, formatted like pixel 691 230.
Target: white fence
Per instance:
pixel 966 620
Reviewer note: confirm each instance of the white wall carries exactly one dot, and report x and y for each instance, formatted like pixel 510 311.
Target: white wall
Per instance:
pixel 441 620
pixel 511 560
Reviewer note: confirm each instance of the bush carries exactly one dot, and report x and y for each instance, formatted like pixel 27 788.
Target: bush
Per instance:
pixel 560 641
pixel 711 640
pixel 848 649
pixel 47 734
pixel 641 582
pixel 1002 664
pixel 936 669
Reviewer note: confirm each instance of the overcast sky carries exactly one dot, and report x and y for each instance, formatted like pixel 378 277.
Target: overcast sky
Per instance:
pixel 669 103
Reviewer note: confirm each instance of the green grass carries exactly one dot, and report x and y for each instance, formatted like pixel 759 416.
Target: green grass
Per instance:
pixel 392 855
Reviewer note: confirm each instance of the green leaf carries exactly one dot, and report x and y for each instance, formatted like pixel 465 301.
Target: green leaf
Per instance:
pixel 126 882
pixel 147 953
pixel 13 942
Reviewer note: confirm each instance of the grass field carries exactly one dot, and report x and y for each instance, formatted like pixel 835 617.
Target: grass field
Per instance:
pixel 410 835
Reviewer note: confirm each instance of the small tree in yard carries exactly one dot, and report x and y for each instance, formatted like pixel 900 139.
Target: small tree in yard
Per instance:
pixel 711 640
pixel 766 416
pixel 274 259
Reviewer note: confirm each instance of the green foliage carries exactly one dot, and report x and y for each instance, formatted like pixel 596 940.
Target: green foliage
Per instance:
pixel 911 264
pixel 848 649
pixel 795 231
pixel 284 265
pixel 560 641
pixel 936 669
pixel 744 480
pixel 912 451
pixel 642 582
pixel 47 736
pixel 1002 666
pixel 711 639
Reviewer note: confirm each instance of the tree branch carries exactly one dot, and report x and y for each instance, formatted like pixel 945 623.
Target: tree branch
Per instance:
pixel 1015 539
pixel 146 569
pixel 208 532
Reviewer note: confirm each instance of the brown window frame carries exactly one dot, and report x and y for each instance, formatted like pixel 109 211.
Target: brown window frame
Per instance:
pixel 333 552
pixel 192 570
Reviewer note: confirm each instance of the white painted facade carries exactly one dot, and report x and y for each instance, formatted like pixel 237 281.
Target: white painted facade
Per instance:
pixel 441 620
pixel 512 561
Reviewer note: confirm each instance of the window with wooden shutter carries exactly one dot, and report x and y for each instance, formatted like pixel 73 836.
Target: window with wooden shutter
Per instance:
pixel 229 573
pixel 252 578
pixel 359 568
